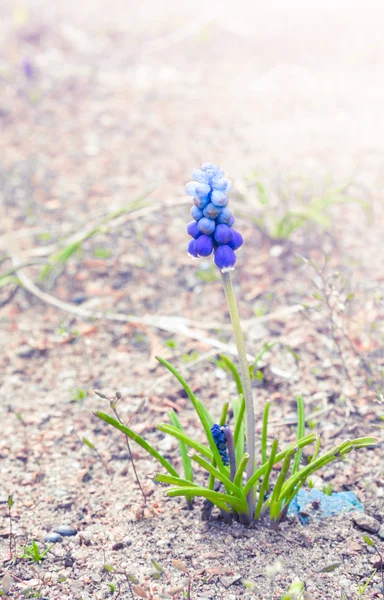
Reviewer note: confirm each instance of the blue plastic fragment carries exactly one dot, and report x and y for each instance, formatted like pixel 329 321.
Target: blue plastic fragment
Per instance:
pixel 314 504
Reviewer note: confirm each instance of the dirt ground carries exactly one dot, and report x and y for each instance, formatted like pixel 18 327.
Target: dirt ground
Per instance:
pixel 102 104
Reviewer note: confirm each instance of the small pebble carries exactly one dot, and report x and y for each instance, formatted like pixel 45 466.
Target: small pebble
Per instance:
pixel 118 546
pixel 228 581
pixel 366 523
pixel 345 583
pixel 380 533
pixel 66 530
pixel 52 537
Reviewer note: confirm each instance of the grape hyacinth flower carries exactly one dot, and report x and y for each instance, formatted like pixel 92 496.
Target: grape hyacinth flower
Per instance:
pixel 211 228
pixel 220 440
pixel 212 231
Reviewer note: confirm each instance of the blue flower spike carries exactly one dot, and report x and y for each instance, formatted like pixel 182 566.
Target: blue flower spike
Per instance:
pixel 211 229
pixel 220 439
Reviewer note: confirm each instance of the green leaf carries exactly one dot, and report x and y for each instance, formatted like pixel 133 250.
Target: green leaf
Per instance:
pixel 309 439
pixel 265 483
pixel 215 497
pixel 170 480
pixel 59 259
pixel 206 413
pixel 170 343
pixel 187 464
pixel 5 280
pixel 88 443
pixel 10 501
pixel 276 501
pixel 368 541
pixel 181 435
pixel 300 432
pixel 230 366
pixel 102 252
pixel 238 405
pixel 295 481
pixel 363 442
pixel 330 568
pixel 238 478
pixel 157 566
pixel 199 410
pixel 138 439
pixel 260 355
pixel 264 434
pixel 262 194
pixel 224 413
pixel 228 484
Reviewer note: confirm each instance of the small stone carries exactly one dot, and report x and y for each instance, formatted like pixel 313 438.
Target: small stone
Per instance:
pixel 166 444
pixel 68 562
pixel 354 548
pixel 377 563
pixel 228 581
pixel 276 251
pixel 366 523
pixel 316 482
pixel 26 351
pixel 66 530
pixel 118 546
pixel 380 533
pixel 345 583
pixel 66 504
pixel 52 537
pixel 86 538
pixel 96 577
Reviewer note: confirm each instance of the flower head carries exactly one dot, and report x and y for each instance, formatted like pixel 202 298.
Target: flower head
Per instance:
pixel 212 229
pixel 220 439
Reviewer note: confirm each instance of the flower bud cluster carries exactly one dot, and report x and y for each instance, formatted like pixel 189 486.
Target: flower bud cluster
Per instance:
pixel 211 228
pixel 219 437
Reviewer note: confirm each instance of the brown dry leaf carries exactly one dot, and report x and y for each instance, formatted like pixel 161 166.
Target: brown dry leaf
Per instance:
pixel 93 264
pixel 6 583
pixel 140 591
pixel 180 566
pixel 171 404
pixel 219 571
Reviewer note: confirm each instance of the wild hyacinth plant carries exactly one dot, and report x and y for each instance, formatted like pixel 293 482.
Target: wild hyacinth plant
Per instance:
pixel 250 490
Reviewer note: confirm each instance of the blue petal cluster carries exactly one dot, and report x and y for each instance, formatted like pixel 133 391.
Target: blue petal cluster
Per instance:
pixel 211 228
pixel 220 440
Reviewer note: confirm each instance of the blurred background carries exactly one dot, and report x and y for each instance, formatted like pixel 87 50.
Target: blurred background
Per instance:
pixel 105 108
pixel 160 86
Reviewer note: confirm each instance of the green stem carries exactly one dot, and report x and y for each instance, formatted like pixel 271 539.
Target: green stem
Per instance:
pixel 244 370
